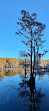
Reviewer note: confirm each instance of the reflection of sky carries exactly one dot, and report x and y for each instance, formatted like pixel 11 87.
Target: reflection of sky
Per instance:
pixel 44 85
pixel 8 92
pixel 9 100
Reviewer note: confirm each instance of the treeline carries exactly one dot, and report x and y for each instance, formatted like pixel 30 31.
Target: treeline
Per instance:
pixel 19 63
pixel 8 63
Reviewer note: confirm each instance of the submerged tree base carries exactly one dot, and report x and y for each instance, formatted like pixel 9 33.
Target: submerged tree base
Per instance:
pixel 31 83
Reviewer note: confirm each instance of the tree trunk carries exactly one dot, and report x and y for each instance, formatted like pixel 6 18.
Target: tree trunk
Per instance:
pixel 25 67
pixel 31 55
pixel 37 59
pixel 34 60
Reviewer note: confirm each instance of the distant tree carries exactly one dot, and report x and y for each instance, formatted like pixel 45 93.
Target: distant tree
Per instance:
pixel 31 32
pixel 8 61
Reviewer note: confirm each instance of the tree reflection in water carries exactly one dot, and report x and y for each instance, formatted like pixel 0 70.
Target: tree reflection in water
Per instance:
pixel 29 94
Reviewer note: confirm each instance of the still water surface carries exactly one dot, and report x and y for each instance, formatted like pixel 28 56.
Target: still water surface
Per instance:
pixel 15 94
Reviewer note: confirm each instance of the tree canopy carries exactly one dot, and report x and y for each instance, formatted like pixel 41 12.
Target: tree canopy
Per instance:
pixel 32 33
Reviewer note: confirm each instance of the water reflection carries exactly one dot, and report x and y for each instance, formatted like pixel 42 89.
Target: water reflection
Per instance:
pixel 30 94
pixel 16 94
pixel 10 72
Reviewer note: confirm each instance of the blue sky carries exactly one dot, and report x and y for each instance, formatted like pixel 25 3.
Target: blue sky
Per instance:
pixel 9 12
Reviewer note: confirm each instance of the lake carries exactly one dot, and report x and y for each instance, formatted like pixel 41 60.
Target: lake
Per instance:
pixel 16 95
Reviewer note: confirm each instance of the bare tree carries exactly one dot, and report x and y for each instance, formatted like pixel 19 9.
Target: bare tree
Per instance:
pixel 31 32
pixel 25 56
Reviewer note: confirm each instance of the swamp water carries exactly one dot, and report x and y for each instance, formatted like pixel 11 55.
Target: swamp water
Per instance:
pixel 16 95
